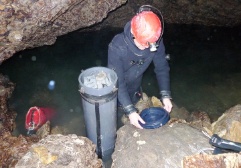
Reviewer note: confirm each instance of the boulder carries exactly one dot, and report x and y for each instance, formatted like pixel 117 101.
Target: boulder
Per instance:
pixel 30 24
pixel 7 115
pixel 61 151
pixel 229 160
pixel 162 147
pixel 14 148
pixel 228 125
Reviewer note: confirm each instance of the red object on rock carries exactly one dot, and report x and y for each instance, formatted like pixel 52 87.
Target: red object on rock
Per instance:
pixel 37 116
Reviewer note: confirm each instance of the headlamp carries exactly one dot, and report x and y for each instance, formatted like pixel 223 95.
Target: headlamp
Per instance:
pixel 153 46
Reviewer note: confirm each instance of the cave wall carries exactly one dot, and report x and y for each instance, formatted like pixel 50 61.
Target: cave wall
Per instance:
pixel 200 12
pixel 33 23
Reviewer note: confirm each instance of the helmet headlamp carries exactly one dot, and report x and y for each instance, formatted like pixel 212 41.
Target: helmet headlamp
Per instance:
pixel 153 46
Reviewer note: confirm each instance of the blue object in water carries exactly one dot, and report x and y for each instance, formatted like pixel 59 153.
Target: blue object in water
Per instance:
pixel 51 85
pixel 154 117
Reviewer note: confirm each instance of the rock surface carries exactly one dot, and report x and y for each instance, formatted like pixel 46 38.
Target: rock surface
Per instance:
pixel 162 147
pixel 11 148
pixel 229 160
pixel 228 125
pixel 14 148
pixel 179 143
pixel 199 120
pixel 7 116
pixel 201 12
pixel 28 24
pixel 61 151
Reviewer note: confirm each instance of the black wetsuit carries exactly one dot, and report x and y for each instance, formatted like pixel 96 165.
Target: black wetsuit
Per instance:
pixel 130 63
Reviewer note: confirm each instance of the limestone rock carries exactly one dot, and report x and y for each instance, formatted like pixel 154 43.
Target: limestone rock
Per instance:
pixel 143 103
pixel 125 119
pixel 156 102
pixel 44 156
pixel 7 116
pixel 14 148
pixel 199 115
pixel 180 113
pixel 234 133
pixel 162 147
pixel 199 120
pixel 229 160
pixel 61 151
pixel 44 130
pixel 11 148
pixel 176 12
pixel 228 125
pixel 173 121
pixel 59 130
pixel 28 24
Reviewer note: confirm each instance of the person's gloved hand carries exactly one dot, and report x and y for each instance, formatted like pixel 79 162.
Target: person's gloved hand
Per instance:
pixel 135 118
pixel 167 104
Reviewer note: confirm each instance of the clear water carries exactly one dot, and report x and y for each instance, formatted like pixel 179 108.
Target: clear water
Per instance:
pixel 205 72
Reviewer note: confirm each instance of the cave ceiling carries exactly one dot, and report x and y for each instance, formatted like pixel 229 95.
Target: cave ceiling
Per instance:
pixel 32 23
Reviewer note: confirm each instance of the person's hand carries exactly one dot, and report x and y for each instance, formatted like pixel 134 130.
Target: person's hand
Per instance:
pixel 167 104
pixel 135 118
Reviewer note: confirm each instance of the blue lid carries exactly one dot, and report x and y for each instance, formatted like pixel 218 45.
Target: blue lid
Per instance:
pixel 154 117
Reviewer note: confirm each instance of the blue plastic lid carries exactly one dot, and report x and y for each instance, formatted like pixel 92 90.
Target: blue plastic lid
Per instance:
pixel 154 117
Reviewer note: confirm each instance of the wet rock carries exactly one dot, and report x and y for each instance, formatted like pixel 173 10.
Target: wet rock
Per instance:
pixel 44 130
pixel 143 103
pixel 7 116
pixel 176 12
pixel 199 120
pixel 180 113
pixel 162 147
pixel 61 151
pixel 11 148
pixel 229 160
pixel 14 148
pixel 156 102
pixel 173 121
pixel 228 125
pixel 234 132
pixel 59 130
pixel 28 24
pixel 199 115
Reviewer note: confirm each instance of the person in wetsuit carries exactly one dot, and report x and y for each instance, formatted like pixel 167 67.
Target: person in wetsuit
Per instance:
pixel 131 52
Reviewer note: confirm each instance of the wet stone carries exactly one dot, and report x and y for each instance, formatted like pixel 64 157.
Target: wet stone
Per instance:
pixel 61 151
pixel 165 146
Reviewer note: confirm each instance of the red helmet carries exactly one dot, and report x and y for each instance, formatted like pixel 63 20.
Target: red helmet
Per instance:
pixel 146 27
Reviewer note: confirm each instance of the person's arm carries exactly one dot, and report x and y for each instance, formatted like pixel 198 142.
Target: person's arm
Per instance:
pixel 162 73
pixel 115 63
